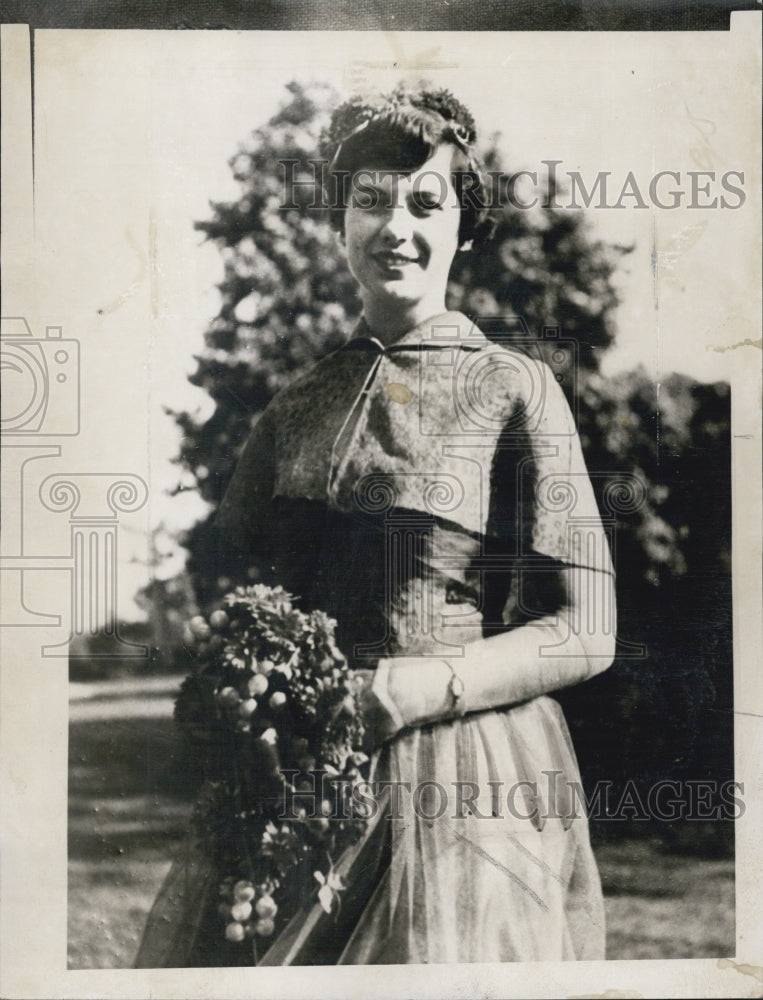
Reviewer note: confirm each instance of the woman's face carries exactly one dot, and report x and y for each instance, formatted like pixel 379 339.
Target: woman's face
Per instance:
pixel 401 234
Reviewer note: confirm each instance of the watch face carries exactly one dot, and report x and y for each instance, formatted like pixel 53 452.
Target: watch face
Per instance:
pixel 457 687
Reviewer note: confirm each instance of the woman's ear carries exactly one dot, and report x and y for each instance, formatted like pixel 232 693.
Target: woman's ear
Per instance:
pixel 466 245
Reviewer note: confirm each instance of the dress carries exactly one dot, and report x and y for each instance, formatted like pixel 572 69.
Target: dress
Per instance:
pixel 423 494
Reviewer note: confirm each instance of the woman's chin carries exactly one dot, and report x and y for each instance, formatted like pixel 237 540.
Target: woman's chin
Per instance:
pixel 400 292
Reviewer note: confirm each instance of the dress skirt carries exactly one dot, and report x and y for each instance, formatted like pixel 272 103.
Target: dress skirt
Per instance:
pixel 421 528
pixel 492 865
pixel 490 856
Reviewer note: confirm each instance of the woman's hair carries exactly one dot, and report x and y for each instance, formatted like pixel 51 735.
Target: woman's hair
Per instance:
pixel 399 132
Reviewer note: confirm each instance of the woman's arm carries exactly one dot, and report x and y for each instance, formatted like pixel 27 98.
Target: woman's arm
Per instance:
pixel 546 654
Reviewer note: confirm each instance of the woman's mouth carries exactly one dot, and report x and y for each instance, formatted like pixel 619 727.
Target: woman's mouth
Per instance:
pixel 394 261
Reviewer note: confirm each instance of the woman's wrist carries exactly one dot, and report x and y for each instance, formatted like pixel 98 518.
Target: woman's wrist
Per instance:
pixel 420 689
pixel 380 688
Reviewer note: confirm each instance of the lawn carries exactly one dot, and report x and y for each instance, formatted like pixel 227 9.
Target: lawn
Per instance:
pixel 129 800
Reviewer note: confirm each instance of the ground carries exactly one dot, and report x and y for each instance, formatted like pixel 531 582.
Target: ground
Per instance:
pixel 129 799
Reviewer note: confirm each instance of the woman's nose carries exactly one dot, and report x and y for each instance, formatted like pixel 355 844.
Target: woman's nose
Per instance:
pixel 398 226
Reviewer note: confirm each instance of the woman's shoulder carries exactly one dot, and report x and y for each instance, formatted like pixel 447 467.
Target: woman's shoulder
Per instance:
pixel 322 380
pixel 492 334
pixel 491 362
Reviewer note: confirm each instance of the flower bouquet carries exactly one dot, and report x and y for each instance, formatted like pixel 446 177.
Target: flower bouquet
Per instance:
pixel 274 711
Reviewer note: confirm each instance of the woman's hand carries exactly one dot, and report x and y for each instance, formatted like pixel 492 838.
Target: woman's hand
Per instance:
pixel 402 692
pixel 381 725
pixel 522 663
pixel 416 689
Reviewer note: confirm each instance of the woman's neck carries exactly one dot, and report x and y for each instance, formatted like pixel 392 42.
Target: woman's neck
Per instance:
pixel 389 321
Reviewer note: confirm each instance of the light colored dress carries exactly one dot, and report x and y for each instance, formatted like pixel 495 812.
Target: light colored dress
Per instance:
pixel 425 495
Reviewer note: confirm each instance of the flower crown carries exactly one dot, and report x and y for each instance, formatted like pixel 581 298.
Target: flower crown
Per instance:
pixel 356 114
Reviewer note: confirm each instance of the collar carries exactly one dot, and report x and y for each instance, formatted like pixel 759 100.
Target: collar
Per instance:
pixel 443 331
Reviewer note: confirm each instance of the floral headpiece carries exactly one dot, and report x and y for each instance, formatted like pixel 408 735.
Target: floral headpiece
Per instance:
pixel 357 113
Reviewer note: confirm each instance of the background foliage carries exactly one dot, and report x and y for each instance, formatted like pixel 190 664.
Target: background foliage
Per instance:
pixel 664 709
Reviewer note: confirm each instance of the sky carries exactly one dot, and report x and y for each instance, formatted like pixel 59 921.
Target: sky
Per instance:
pixel 134 130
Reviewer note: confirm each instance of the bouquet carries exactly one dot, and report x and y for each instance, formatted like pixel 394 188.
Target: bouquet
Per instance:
pixel 274 711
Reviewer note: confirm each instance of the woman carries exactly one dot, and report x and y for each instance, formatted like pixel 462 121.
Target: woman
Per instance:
pixel 426 488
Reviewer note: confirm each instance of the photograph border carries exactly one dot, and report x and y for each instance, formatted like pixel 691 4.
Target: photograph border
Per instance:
pixel 32 775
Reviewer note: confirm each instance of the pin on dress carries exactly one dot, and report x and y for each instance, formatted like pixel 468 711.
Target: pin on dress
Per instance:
pixel 426 487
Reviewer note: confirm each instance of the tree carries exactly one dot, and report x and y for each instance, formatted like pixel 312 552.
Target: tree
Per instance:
pixel 288 298
pixel 168 601
pixel 666 713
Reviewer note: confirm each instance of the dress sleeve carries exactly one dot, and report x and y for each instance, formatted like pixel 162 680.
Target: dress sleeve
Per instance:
pixel 559 514
pixel 541 494
pixel 244 514
pixel 545 514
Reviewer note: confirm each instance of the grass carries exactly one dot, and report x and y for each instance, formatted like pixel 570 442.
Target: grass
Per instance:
pixel 129 801
pixel 666 905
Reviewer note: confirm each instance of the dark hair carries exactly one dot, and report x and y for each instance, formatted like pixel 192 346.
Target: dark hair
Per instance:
pixel 399 132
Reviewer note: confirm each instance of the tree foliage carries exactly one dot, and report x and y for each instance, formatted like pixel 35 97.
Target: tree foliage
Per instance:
pixel 287 298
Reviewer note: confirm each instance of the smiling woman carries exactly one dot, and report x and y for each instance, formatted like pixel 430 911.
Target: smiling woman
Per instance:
pixel 416 191
pixel 418 485
pixel 401 246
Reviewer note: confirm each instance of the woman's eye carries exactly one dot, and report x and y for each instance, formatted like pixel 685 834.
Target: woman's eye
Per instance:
pixel 366 201
pixel 426 202
pixel 370 200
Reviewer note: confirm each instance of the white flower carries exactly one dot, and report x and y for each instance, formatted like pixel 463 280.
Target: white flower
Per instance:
pixel 229 696
pixel 266 907
pixel 277 700
pixel 235 932
pixel 264 927
pixel 258 684
pixel 285 669
pixel 330 887
pixel 199 627
pixel 241 911
pixel 243 891
pixel 247 708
